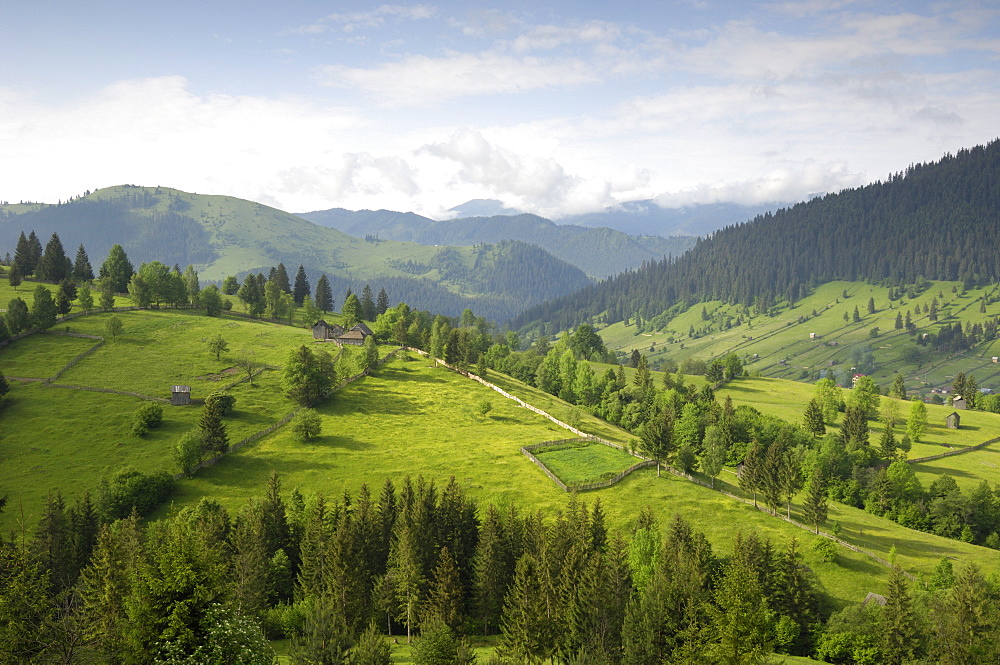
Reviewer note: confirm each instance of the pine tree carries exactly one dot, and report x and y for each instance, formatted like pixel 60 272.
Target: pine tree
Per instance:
pixel 301 288
pixel 214 438
pixel 871 305
pixel 856 316
pixel 741 621
pixel 444 602
pixel 815 507
pixel 82 270
pixel 43 308
pixel 324 296
pixel 966 621
pixel 22 256
pixel 897 624
pixel 527 623
pixel 52 267
pixel 34 252
pixel 14 277
pixel 382 304
pixel 813 420
pixel 281 279
pixel 368 311
pixel 855 425
pixel 118 269
pixel 898 389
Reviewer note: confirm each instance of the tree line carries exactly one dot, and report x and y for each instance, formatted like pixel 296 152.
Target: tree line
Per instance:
pixel 933 221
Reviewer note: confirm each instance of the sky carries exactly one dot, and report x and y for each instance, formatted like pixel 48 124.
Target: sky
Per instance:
pixel 558 108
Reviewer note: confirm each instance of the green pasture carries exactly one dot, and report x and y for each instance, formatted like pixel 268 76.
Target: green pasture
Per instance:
pixel 784 348
pixel 583 462
pixel 170 349
pixel 54 438
pixel 41 356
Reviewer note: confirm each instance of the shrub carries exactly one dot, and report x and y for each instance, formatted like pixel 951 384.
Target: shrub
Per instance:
pixel 130 488
pixel 224 402
pixel 826 549
pixel 147 417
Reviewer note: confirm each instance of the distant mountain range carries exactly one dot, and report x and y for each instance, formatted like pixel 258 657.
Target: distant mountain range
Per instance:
pixel 640 218
pixel 222 235
pixel 599 252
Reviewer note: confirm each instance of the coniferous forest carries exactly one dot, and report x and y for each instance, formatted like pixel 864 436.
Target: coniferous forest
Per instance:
pixel 211 586
pixel 936 221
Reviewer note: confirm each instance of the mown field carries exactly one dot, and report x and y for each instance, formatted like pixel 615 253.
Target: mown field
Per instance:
pixel 784 348
pixel 407 419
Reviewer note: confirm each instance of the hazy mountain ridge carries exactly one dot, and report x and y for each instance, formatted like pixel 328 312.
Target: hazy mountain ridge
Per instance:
pixel 599 252
pixel 223 235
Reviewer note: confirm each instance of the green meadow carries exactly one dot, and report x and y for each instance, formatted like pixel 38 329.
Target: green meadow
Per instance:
pixel 799 342
pixel 409 418
pixel 581 463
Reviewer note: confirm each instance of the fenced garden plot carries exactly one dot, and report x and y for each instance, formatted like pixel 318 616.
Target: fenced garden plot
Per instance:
pixel 583 463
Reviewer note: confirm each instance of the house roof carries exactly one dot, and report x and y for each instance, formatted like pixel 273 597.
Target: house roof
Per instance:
pixel 352 334
pixel 321 322
pixel 361 327
pixel 180 389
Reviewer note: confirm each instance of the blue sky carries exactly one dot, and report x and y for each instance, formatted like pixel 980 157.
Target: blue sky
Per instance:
pixel 556 109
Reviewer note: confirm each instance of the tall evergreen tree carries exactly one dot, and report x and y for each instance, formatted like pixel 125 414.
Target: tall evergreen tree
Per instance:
pixel 82 270
pixel 53 266
pixel 14 276
pixel 382 304
pixel 813 420
pixel 43 308
pixel 368 310
pixel 351 312
pixel 214 437
pixel 18 316
pixel 816 503
pixel 324 296
pixel 22 255
pixel 301 288
pixel 281 279
pixel 897 625
pixel 118 269
pixel 34 252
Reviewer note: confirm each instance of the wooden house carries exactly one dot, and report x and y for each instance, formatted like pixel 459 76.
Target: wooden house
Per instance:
pixel 958 402
pixel 952 420
pixel 325 331
pixel 180 395
pixel 356 336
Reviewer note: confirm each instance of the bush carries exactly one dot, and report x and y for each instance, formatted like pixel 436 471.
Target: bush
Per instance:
pixel 188 452
pixel 130 488
pixel 147 417
pixel 307 425
pixel 826 549
pixel 224 402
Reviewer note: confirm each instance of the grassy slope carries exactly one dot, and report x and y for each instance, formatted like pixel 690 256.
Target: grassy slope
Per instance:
pixel 408 419
pixel 784 338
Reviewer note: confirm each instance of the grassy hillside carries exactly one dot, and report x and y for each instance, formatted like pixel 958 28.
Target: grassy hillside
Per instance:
pixel 780 345
pixel 407 419
pixel 222 235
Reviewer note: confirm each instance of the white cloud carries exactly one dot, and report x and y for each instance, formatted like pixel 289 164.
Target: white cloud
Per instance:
pixel 424 81
pixel 352 21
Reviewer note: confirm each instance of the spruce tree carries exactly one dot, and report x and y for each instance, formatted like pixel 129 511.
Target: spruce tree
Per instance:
pixel 52 267
pixel 368 310
pixel 301 288
pixel 897 624
pixel 22 255
pixel 34 252
pixel 82 270
pixel 281 279
pixel 43 308
pixel 118 269
pixel 815 507
pixel 382 304
pixel 813 420
pixel 213 431
pixel 14 277
pixel 324 296
pixel 887 444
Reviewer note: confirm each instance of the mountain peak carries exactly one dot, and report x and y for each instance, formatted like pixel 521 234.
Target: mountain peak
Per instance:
pixel 483 208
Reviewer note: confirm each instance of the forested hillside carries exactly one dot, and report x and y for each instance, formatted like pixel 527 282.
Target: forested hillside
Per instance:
pixel 222 236
pixel 936 221
pixel 599 252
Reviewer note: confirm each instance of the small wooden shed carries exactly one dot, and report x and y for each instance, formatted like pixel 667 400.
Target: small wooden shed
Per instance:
pixel 958 402
pixel 323 330
pixel 952 420
pixel 180 395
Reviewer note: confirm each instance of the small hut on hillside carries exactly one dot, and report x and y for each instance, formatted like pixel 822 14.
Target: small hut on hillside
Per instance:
pixel 952 420
pixel 180 395
pixel 958 402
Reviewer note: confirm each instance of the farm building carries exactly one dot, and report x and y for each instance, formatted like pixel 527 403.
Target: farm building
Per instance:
pixel 323 330
pixel 180 395
pixel 958 402
pixel 953 420
pixel 355 336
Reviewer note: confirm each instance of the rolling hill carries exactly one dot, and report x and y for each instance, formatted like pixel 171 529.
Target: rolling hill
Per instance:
pixel 222 236
pixel 597 251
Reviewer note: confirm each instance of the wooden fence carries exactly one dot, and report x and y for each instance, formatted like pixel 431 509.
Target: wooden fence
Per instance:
pixel 951 453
